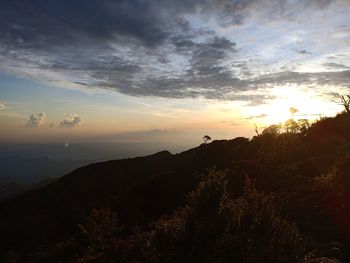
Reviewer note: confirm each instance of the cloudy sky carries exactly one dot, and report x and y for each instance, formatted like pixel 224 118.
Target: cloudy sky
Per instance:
pixel 161 70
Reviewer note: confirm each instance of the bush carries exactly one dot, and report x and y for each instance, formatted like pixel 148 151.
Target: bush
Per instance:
pixel 214 227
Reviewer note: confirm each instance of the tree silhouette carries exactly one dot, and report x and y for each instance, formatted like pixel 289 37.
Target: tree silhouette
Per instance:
pixel 206 138
pixel 293 110
pixel 274 129
pixel 303 125
pixel 291 126
pixel 345 101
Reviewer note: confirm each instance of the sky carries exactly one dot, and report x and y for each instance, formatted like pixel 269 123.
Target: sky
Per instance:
pixel 167 71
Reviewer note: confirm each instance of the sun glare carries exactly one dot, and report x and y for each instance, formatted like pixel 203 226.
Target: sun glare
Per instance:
pixel 306 104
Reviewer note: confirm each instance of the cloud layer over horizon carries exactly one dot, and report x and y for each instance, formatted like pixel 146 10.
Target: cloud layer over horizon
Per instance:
pixel 224 49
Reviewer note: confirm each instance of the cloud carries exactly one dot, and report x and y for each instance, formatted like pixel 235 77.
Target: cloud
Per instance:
pixel 232 123
pixel 171 49
pixel 336 78
pixel 2 106
pixel 70 121
pixel 334 65
pixel 206 58
pixel 260 116
pixel 304 52
pixel 36 120
pixel 101 20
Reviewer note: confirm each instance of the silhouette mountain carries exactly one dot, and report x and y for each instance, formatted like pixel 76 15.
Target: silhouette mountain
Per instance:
pixel 144 188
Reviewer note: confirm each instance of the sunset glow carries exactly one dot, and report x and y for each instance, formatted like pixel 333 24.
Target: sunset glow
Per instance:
pixel 309 105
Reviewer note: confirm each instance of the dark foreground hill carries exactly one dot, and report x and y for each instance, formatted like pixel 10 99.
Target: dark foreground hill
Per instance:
pixel 307 171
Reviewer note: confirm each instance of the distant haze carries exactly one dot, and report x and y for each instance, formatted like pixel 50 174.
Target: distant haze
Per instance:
pixel 87 151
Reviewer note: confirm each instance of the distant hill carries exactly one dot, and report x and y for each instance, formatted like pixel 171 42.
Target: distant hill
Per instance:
pixel 19 174
pixel 144 188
